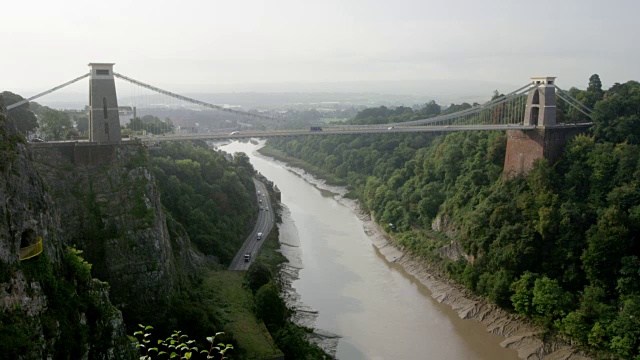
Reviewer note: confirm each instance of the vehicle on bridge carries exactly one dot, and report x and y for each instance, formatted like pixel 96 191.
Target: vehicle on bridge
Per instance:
pixel 247 257
pixel 315 128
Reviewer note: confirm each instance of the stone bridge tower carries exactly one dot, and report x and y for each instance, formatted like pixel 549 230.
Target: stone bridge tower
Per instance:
pixel 547 140
pixel 104 119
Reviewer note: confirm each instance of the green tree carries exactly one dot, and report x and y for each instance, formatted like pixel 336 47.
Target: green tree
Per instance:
pixel 594 91
pixel 270 307
pixel 549 300
pixel 522 298
pixel 431 109
pixel 257 276
pixel 617 117
pixel 608 241
pixel 25 119
pixel 82 124
pixel 55 124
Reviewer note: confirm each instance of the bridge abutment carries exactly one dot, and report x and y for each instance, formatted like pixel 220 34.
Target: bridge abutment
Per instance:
pixel 524 147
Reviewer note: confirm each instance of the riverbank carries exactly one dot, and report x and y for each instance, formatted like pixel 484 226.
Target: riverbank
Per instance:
pixel 518 332
pixel 330 179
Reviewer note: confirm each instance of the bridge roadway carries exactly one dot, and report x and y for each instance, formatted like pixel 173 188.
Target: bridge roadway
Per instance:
pixel 264 224
pixel 342 130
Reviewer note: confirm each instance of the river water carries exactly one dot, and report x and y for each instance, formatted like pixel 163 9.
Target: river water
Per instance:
pixel 367 307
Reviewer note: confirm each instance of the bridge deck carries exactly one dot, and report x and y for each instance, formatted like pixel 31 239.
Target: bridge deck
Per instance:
pixel 344 130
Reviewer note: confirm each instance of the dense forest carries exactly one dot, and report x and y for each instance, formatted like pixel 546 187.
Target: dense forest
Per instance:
pixel 213 198
pixel 560 245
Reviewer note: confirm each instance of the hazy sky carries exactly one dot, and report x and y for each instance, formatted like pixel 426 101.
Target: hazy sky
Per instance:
pixel 185 43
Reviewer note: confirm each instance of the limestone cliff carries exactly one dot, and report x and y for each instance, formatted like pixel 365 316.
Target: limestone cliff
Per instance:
pixel 110 207
pixel 49 305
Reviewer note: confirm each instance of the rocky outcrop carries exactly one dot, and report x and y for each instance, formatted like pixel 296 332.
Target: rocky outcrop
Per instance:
pixel 112 211
pixel 35 321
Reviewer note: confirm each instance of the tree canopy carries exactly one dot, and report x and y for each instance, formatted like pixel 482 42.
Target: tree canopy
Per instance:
pixel 24 118
pixel 54 124
pixel 210 196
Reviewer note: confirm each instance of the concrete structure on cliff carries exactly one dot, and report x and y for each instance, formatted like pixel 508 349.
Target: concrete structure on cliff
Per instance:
pixel 104 120
pixel 546 140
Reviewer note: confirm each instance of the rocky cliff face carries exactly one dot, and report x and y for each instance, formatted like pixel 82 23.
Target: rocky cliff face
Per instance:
pixel 45 304
pixel 110 207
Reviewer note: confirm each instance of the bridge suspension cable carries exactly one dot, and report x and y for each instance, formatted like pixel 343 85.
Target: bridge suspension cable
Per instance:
pixel 15 105
pixel 574 99
pixel 190 100
pixel 573 102
pixel 474 110
pixel 506 109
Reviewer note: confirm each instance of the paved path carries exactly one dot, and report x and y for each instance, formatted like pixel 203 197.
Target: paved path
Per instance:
pixel 266 220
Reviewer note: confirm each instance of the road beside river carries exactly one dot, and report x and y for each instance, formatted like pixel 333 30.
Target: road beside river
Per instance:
pixel 264 224
pixel 344 286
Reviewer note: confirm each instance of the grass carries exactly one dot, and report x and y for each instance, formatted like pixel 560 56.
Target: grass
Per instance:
pixel 330 178
pixel 250 333
pixel 269 253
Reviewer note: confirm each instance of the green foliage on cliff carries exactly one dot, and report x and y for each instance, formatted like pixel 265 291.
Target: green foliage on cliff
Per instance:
pixel 9 141
pixel 561 245
pixel 213 198
pixel 77 319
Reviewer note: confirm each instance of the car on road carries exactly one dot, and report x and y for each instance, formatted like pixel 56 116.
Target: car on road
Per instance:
pixel 36 140
pixel 247 257
pixel 259 237
pixel 390 128
pixel 234 133
pixel 266 209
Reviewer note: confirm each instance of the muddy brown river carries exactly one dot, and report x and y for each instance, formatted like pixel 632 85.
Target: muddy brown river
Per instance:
pixel 365 306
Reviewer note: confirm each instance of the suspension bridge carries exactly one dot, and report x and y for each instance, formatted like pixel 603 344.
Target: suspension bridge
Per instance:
pixel 528 114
